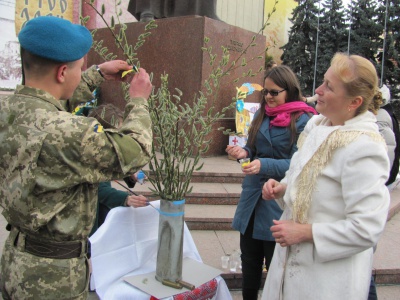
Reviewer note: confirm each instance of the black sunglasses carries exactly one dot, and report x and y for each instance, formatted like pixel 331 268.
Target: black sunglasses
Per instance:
pixel 273 93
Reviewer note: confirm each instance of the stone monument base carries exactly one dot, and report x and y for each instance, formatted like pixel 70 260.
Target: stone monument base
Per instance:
pixel 174 48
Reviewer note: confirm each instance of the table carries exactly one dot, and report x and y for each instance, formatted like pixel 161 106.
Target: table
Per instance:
pixel 126 245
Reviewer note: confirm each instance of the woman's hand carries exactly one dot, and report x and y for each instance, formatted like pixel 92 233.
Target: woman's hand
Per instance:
pixel 136 201
pixel 252 168
pixel 236 152
pixel 273 189
pixel 288 233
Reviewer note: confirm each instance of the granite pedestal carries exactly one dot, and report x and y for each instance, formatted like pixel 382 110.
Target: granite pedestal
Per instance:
pixel 174 48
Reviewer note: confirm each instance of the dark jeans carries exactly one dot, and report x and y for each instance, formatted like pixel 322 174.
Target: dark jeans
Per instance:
pixel 254 253
pixel 372 290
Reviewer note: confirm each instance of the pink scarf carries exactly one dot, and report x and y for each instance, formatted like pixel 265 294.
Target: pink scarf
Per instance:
pixel 282 112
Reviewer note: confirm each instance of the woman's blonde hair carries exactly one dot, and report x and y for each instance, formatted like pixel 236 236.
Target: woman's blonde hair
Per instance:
pixel 359 77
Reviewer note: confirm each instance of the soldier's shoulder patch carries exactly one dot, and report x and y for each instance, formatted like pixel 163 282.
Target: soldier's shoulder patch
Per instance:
pixel 98 128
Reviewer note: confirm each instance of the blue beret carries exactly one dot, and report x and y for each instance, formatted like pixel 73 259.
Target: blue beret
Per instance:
pixel 55 38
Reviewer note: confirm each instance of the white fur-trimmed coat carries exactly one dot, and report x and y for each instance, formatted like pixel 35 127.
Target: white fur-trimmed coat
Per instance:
pixel 348 213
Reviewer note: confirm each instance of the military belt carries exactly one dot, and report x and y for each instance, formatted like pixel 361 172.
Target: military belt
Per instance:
pixel 50 249
pixel 61 250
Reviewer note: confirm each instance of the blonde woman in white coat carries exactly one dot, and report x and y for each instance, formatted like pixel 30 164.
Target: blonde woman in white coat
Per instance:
pixel 334 196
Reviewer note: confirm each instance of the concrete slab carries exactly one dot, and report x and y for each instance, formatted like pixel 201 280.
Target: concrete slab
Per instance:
pixel 215 164
pixel 210 211
pixel 232 189
pixel 209 247
pixel 213 244
pixel 198 187
pixel 387 255
pixel 394 207
pixel 229 240
pixel 209 188
pixel 388 292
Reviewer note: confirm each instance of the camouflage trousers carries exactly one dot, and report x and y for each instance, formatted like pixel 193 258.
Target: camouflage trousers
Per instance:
pixel 26 276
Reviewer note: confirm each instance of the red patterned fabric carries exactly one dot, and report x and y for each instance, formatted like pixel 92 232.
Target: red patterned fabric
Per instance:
pixel 205 291
pixel 153 298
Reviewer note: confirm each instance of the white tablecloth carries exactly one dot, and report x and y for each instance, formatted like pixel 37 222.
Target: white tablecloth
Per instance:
pixel 126 245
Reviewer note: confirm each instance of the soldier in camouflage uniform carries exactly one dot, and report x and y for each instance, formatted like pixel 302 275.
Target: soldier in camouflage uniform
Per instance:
pixel 51 161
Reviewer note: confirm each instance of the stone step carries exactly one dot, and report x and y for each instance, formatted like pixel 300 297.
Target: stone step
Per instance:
pixel 214 193
pixel 394 207
pixel 218 177
pixel 215 177
pixel 209 217
pixel 202 193
pixel 218 169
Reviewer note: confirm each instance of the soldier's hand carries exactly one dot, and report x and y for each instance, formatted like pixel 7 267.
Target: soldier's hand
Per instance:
pixel 112 70
pixel 140 85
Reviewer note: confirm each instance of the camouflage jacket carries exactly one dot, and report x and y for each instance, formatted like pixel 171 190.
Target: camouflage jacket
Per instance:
pixel 51 161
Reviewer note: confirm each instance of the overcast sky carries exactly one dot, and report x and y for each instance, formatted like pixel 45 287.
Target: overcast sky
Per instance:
pixel 346 2
pixel 7 9
pixel 7 28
